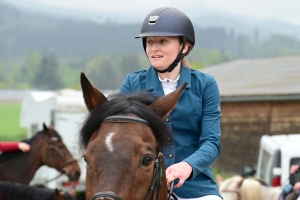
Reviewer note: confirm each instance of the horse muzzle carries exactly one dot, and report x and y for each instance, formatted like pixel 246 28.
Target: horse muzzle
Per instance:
pixel 106 196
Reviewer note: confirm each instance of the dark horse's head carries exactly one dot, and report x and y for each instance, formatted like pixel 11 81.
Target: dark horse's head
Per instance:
pixel 122 138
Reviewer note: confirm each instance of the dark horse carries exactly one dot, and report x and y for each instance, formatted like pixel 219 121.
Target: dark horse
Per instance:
pixel 123 139
pixel 17 191
pixel 47 148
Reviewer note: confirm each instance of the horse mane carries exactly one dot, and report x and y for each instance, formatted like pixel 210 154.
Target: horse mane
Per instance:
pixel 261 181
pixel 8 155
pixel 251 189
pixel 121 104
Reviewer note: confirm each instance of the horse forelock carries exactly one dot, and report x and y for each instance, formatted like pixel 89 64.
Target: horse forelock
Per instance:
pixel 121 104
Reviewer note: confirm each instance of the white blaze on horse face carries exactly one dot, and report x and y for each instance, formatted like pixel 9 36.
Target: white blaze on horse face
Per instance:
pixel 108 142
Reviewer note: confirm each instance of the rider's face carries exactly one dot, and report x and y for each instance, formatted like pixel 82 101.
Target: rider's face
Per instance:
pixel 162 51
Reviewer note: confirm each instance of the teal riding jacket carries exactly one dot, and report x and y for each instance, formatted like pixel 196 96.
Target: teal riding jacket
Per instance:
pixel 194 125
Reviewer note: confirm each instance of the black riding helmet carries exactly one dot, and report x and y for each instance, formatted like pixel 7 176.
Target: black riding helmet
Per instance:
pixel 167 21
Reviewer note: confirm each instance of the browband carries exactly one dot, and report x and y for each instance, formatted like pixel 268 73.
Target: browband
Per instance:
pixel 126 119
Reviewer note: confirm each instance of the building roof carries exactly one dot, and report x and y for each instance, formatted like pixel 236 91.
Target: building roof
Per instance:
pixel 258 79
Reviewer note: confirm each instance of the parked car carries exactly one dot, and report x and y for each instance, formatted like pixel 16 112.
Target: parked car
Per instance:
pixel 276 154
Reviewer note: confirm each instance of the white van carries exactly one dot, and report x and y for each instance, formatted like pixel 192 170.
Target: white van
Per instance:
pixel 276 154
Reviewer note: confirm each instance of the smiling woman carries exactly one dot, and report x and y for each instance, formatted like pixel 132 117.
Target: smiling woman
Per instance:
pixel 168 36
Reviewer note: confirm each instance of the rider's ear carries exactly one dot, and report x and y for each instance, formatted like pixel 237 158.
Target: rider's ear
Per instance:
pixel 219 179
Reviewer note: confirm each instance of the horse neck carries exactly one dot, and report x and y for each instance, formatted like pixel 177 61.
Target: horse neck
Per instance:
pixel 22 168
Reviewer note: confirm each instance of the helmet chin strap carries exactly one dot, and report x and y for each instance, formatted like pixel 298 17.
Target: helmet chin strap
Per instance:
pixel 179 57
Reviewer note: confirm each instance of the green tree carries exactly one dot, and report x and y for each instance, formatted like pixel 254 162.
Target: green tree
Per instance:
pixel 31 66
pixel 47 76
pixel 3 78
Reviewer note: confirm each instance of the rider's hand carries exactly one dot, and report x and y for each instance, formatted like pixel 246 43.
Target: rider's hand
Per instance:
pixel 294 168
pixel 24 146
pixel 181 171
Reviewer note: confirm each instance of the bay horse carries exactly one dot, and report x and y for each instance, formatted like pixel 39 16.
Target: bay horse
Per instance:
pixel 123 137
pixel 17 191
pixel 47 148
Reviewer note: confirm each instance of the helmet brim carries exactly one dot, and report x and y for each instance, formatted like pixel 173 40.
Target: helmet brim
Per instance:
pixel 158 34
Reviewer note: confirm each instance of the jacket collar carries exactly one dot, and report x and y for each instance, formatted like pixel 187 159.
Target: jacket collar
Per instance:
pixel 153 83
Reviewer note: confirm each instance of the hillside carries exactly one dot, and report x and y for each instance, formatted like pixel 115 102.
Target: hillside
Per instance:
pixel 44 51
pixel 22 33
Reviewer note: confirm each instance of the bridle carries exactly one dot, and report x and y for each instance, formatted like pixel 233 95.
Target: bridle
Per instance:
pixel 155 186
pixel 63 170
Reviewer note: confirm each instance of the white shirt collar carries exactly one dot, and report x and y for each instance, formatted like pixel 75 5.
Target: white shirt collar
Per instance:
pixel 169 80
pixel 168 85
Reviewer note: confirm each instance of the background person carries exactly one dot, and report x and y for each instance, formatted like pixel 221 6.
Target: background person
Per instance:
pixel 291 190
pixel 14 146
pixel 168 36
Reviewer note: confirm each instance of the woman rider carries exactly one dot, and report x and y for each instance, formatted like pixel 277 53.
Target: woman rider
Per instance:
pixel 168 36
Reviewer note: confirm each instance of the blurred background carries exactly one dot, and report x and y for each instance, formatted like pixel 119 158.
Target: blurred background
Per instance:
pixel 251 47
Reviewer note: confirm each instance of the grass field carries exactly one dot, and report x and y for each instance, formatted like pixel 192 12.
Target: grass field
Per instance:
pixel 9 122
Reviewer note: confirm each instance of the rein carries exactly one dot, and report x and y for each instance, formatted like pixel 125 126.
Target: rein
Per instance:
pixel 62 171
pixel 233 191
pixel 157 172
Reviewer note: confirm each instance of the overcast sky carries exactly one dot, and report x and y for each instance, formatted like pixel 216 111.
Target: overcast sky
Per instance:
pixel 281 10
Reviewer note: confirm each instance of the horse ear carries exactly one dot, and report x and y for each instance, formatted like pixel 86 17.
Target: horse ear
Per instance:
pixel 240 182
pixel 45 128
pixel 91 95
pixel 164 105
pixel 219 179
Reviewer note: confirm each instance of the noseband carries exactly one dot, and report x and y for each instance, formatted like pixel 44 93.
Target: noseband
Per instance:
pixel 156 183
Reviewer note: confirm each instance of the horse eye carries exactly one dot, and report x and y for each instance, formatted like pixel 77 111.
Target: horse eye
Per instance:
pixel 147 161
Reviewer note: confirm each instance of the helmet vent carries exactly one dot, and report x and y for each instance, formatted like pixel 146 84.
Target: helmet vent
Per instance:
pixel 152 20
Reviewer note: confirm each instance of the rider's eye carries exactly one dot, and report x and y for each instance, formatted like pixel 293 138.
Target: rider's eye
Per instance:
pixel 149 42
pixel 147 160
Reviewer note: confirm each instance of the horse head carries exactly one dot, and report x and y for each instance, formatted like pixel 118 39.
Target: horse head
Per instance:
pixel 123 137
pixel 47 148
pixel 237 187
pixel 56 154
pixel 230 188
